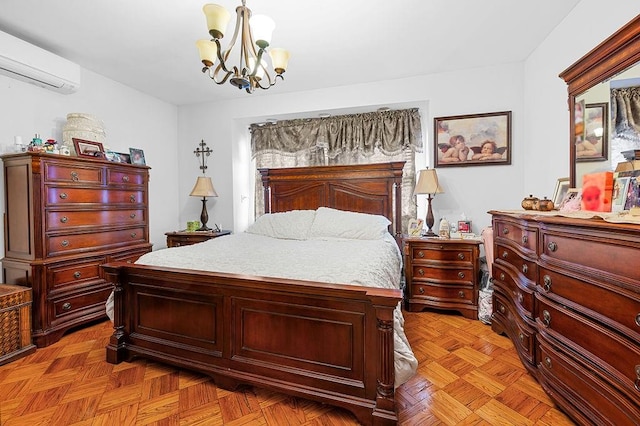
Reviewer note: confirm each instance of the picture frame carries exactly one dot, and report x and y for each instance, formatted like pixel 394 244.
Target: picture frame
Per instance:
pixel 562 186
pixel 593 144
pixel 124 157
pixel 89 149
pixel 571 201
pixel 620 191
pixel 137 156
pixel 459 140
pixel 114 157
pixel 415 227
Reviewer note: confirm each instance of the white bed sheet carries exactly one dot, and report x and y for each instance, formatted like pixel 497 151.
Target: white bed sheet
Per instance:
pixel 371 263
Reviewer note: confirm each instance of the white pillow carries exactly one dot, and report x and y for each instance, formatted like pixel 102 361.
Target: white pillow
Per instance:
pixel 332 223
pixel 291 225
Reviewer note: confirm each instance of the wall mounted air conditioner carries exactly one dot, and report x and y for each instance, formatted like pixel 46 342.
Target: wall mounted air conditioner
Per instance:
pixel 26 62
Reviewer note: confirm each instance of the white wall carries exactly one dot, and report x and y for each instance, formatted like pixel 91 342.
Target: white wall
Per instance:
pixel 131 119
pixel 472 190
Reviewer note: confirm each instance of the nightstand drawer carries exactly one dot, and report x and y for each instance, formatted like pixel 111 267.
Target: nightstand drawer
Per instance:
pixel 434 273
pixel 437 253
pixel 444 293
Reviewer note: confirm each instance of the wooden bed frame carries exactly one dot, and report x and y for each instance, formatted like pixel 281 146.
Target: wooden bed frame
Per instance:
pixel 331 343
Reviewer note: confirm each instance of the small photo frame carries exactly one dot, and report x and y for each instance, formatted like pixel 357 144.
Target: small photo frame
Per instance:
pixel 137 156
pixel 593 143
pixel 620 190
pixel 124 157
pixel 473 140
pixel 114 157
pixel 415 227
pixel 562 186
pixel 572 200
pixel 89 149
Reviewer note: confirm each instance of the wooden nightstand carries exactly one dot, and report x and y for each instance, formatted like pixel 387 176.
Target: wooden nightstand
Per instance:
pixel 184 238
pixel 442 274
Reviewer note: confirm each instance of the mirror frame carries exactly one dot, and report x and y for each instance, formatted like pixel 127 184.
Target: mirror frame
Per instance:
pixel 614 55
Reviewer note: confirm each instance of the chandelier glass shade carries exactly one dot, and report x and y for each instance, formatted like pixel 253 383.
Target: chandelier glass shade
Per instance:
pixel 253 33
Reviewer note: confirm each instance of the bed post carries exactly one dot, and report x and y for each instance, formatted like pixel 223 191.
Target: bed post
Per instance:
pixel 116 347
pixel 385 408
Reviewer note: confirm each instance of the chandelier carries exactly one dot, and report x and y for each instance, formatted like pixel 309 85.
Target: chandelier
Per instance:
pixel 255 35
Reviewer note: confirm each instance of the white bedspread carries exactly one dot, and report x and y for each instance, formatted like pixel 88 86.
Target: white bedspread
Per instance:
pixel 372 263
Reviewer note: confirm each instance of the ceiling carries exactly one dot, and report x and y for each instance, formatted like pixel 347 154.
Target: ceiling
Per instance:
pixel 150 46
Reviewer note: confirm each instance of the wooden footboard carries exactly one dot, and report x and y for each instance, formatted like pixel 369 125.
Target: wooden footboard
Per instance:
pixel 330 343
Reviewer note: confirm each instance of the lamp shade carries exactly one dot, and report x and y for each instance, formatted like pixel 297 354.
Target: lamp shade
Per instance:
pixel 217 19
pixel 427 183
pixel 203 188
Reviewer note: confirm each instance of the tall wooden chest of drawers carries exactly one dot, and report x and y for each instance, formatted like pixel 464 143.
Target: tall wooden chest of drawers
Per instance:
pixel 567 292
pixel 442 274
pixel 65 217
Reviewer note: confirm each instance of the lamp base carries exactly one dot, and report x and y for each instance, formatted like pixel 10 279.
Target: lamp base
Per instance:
pixel 430 234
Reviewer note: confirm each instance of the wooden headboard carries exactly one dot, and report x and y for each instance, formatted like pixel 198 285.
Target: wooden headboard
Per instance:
pixel 364 188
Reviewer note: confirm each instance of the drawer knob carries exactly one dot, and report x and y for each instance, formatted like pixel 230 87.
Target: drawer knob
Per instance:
pixel 505 254
pixel 77 274
pixel 63 195
pixel 132 215
pixel 66 306
pixel 461 275
pixel 132 198
pixel 546 318
pixel 501 276
pixel 521 337
pixel 547 283
pixel 74 176
pixel 525 268
pixel 461 256
pixel 420 253
pixel 552 246
pixel 638 319
pixel 502 309
pixel 420 290
pixel 520 297
pixel 461 294
pixel 125 178
pixel 64 219
pixel 133 235
pixel 421 272
pixel 525 239
pixel 637 383
pixel 64 243
pixel 505 231
pixel 547 361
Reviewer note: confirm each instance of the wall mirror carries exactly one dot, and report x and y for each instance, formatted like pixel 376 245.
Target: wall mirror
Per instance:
pixel 611 69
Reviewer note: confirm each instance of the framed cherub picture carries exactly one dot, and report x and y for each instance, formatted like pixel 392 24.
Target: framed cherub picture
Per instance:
pixel 473 140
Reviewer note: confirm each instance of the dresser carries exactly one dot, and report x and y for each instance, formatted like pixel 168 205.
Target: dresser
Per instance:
pixel 64 217
pixel 442 274
pixel 567 293
pixel 184 238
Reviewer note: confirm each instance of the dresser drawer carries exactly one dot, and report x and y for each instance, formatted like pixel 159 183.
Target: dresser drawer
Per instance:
pixel 592 400
pixel 616 306
pixel 617 356
pixel 442 274
pixel 129 256
pixel 526 268
pixel 522 297
pixel 72 173
pixel 440 253
pixel 521 333
pixel 67 244
pixel 56 220
pixel 592 256
pixel 516 233
pixel 122 177
pixel 82 303
pixel 65 196
pixel 72 275
pixel 443 293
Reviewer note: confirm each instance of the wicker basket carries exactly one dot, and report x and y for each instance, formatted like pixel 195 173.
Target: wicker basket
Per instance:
pixel 15 323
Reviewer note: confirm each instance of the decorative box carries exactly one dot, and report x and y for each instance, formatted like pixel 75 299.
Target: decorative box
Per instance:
pixel 15 323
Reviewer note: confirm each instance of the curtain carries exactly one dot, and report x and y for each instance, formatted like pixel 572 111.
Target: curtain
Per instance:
pixel 625 113
pixel 374 137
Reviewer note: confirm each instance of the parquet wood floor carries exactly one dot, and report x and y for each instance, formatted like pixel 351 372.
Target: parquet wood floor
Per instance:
pixel 467 375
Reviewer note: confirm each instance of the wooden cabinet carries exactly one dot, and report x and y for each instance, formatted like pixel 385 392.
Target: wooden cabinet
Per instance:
pixel 184 238
pixel 582 337
pixel 64 218
pixel 442 274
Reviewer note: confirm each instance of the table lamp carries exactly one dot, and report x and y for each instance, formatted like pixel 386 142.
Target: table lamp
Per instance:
pixel 204 188
pixel 428 184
